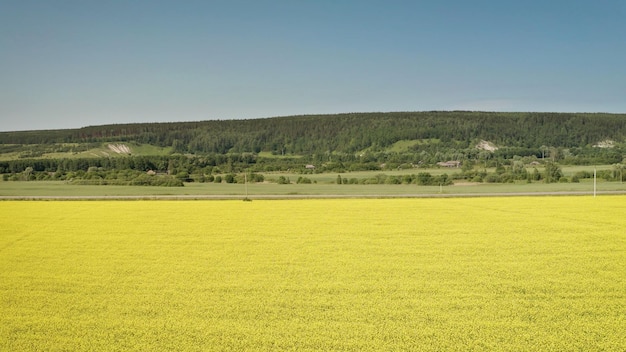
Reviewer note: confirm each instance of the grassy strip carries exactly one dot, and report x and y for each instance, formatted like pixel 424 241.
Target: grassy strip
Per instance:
pixel 56 188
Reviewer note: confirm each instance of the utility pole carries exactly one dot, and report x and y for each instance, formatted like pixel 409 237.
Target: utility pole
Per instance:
pixel 594 182
pixel 245 182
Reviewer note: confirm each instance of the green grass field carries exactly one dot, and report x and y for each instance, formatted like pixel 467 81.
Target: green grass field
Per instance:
pixel 62 189
pixel 509 274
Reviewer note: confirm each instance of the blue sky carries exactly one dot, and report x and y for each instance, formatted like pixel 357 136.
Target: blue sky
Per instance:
pixel 66 64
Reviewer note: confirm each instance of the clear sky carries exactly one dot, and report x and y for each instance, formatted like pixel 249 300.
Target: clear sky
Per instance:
pixel 66 64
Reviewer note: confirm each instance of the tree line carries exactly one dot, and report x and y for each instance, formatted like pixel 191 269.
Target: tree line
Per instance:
pixel 350 133
pixel 203 151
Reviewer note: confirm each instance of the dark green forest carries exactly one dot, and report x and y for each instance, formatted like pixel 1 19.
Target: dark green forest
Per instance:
pixel 349 133
pixel 332 143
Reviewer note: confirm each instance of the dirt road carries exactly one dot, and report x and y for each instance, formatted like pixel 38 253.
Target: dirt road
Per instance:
pixel 309 196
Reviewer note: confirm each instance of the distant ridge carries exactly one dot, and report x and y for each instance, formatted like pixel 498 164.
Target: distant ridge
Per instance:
pixel 349 132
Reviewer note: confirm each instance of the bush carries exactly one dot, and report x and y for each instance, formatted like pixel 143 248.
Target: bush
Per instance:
pixel 184 176
pixel 492 178
pixel 229 178
pixel 253 177
pixel 393 180
pixel 370 181
pixel 507 178
pixel 552 173
pixel 477 179
pixel 165 181
pixel 303 180
pixel 583 174
pixel 443 180
pixel 424 179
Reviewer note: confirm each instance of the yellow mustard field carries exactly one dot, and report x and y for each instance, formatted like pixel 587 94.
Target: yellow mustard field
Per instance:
pixel 471 274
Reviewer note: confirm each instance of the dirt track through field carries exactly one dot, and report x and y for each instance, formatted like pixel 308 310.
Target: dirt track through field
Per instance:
pixel 309 196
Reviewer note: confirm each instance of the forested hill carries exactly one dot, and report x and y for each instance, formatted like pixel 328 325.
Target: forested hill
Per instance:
pixel 350 133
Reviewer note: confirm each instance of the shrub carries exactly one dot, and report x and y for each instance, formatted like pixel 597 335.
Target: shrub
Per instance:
pixel 583 174
pixel 393 180
pixel 477 179
pixel 424 179
pixel 282 180
pixel 303 180
pixel 229 178
pixel 253 177
pixel 492 178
